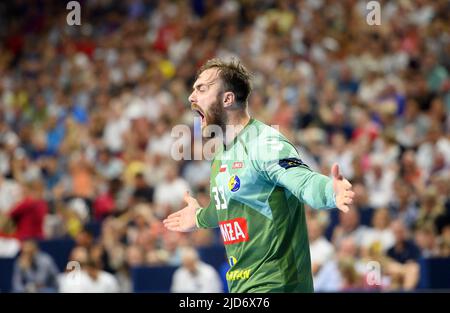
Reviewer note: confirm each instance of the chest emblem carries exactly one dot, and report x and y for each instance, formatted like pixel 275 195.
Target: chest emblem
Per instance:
pixel 234 183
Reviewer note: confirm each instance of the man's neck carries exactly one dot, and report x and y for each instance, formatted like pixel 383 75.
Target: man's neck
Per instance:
pixel 236 123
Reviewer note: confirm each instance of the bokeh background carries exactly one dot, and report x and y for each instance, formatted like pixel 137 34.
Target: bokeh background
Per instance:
pixel 86 114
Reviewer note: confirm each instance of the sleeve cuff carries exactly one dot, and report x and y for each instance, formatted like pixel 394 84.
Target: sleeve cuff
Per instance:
pixel 330 195
pixel 196 217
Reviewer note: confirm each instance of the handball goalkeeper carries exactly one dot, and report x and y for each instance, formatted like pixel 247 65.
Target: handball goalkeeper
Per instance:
pixel 258 189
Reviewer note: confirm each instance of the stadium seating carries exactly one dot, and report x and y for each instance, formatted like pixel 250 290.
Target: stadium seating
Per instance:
pixel 435 272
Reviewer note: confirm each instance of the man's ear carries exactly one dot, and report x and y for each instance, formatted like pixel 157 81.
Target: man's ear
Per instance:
pixel 228 99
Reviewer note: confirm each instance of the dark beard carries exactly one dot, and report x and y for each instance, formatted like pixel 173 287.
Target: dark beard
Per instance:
pixel 216 115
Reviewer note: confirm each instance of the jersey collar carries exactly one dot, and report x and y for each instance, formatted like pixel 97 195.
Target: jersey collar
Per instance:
pixel 236 138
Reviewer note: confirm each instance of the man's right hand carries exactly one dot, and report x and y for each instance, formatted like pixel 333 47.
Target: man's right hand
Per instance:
pixel 183 220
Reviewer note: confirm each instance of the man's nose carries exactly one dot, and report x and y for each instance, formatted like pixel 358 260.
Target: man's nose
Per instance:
pixel 192 97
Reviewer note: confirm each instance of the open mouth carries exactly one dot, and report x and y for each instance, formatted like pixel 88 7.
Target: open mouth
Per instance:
pixel 201 114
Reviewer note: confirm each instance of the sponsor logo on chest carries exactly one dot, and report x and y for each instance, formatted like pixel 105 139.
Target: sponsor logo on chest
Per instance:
pixel 234 183
pixel 234 231
pixel 238 274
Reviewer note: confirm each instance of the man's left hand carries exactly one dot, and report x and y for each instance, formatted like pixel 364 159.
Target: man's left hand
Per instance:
pixel 342 189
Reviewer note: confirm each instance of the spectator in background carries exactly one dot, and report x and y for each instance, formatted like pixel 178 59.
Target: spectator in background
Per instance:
pixel 351 279
pixel 123 276
pixel 10 194
pixel 173 242
pixel 404 249
pixel 28 215
pixel 303 115
pixel 108 166
pixel 84 238
pixel 410 172
pixel 105 204
pixel 34 270
pixel 81 178
pixel 194 276
pixel 321 249
pixel 403 205
pixel 52 173
pixel 202 238
pixel 379 182
pixel 9 247
pixel 162 141
pixel 361 200
pixel 97 280
pixel 433 154
pixel 142 192
pixel 396 275
pixel 411 128
pixel 171 191
pixel 444 241
pixel 89 279
pixel 69 281
pixel 341 153
pixel 340 271
pixel 380 231
pixel 349 226
pixel 134 256
pixel 431 208
pixel 197 173
pixel 145 228
pixel 425 245
pixel 75 214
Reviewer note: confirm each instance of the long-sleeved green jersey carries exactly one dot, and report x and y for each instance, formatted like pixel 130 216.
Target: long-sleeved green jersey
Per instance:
pixel 259 186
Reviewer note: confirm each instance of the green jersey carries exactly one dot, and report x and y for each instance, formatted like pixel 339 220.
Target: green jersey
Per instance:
pixel 259 186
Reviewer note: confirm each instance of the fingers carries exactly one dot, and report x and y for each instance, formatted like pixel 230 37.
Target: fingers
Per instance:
pixel 347 197
pixel 345 200
pixel 172 218
pixel 347 193
pixel 348 200
pixel 174 215
pixel 344 208
pixel 172 223
pixel 335 171
pixel 347 184
pixel 188 199
pixel 191 202
pixel 173 227
pixel 187 196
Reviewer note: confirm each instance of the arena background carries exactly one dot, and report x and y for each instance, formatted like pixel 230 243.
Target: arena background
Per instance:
pixel 86 114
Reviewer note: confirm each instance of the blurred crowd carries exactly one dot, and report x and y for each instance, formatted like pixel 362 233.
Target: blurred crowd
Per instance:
pixel 86 114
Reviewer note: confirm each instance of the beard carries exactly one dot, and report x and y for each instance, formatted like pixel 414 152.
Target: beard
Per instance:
pixel 215 117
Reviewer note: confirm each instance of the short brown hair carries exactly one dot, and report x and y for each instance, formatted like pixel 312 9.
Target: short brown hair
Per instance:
pixel 235 78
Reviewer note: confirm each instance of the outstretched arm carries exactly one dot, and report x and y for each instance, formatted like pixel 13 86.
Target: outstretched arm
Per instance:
pixel 278 162
pixel 317 190
pixel 314 189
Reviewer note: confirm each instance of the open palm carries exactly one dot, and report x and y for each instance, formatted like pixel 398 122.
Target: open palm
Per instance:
pixel 183 220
